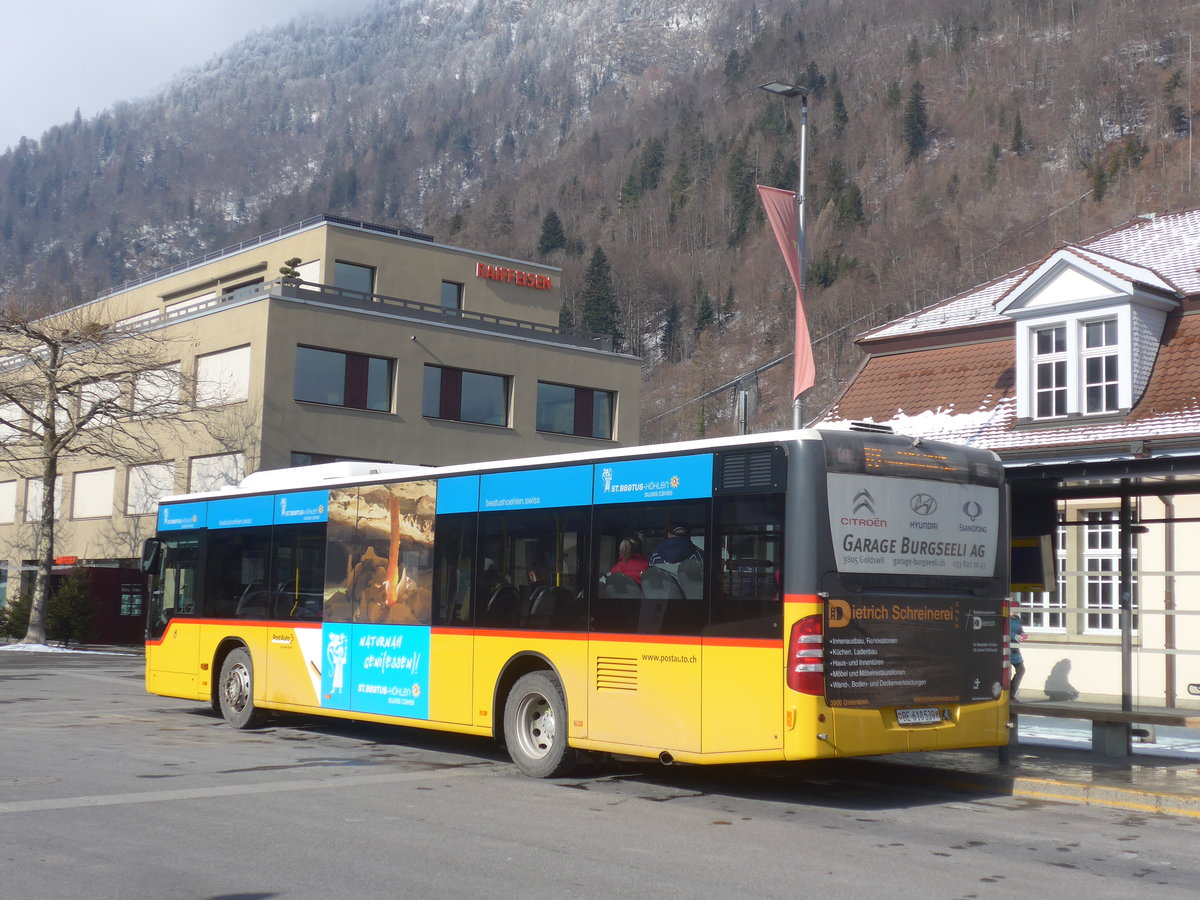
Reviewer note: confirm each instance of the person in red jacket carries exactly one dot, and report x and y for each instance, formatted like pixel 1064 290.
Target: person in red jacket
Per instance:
pixel 630 560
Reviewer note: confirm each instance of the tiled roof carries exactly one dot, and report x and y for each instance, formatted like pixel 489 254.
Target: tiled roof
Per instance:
pixel 966 393
pixel 1161 251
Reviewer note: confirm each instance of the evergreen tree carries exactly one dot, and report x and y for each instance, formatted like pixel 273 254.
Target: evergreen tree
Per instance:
pixel 681 183
pixel 668 338
pixel 742 193
pixel 706 315
pixel 840 117
pixel 70 614
pixel 502 219
pixel 991 167
pixel 631 192
pixel 916 121
pixel 554 236
pixel 599 298
pixel 1018 136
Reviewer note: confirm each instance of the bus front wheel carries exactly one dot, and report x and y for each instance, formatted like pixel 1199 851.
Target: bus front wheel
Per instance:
pixel 235 691
pixel 535 726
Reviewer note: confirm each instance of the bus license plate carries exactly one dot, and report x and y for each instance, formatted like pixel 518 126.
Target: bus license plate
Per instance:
pixel 923 716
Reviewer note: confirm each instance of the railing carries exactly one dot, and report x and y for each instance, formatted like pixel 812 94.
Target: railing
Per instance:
pixel 311 292
pixel 263 239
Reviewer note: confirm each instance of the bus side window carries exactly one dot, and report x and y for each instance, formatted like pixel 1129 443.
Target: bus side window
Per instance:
pixel 235 582
pixel 453 555
pixel 750 538
pixel 529 563
pixel 297 578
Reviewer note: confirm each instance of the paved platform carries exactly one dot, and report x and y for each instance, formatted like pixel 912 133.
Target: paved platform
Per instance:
pixel 1144 783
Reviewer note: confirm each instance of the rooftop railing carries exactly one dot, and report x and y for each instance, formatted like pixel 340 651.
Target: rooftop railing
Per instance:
pixel 311 292
pixel 263 239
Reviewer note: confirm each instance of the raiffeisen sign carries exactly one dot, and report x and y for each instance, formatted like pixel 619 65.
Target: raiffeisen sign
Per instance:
pixel 514 276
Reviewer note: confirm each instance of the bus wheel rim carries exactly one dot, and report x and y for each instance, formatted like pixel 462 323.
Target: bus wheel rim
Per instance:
pixel 536 726
pixel 237 687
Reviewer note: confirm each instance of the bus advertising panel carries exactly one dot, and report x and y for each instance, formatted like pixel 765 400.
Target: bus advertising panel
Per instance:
pixel 937 525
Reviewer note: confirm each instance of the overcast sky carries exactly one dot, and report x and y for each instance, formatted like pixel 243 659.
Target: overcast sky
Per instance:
pixel 57 56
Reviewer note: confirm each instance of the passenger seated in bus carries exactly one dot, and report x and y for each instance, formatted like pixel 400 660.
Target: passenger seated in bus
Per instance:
pixel 538 584
pixel 630 560
pixel 676 548
pixel 498 599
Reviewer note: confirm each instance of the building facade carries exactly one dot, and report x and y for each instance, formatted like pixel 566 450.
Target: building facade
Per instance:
pixel 377 345
pixel 1081 370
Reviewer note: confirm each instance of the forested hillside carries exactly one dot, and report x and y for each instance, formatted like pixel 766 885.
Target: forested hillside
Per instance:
pixel 949 141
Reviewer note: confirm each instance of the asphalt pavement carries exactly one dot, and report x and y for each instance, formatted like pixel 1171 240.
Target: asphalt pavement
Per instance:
pixel 1051 760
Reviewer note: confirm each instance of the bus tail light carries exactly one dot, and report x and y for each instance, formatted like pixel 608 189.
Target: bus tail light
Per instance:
pixel 806 657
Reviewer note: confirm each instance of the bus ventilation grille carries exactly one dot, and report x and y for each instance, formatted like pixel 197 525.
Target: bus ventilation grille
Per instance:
pixel 616 673
pixel 747 470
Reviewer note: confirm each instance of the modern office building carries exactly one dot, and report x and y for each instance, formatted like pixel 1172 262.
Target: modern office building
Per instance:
pixel 378 345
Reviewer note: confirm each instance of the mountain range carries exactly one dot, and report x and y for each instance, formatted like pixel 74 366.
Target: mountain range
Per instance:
pixel 948 141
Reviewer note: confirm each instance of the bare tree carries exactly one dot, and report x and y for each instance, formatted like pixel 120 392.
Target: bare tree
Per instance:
pixel 76 383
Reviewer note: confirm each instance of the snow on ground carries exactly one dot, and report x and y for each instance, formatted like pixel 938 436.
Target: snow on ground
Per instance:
pixel 49 648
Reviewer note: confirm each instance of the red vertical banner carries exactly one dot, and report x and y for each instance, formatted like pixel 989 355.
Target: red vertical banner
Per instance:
pixel 784 216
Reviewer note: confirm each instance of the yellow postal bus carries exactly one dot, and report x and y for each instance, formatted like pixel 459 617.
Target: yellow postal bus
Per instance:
pixel 790 596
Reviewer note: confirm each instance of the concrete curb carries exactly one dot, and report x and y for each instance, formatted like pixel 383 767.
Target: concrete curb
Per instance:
pixel 1036 788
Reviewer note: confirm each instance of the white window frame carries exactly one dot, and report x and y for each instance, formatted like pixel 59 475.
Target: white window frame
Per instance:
pixel 8 502
pixel 145 485
pixel 1075 355
pixel 1103 353
pixel 1100 557
pixel 92 494
pixel 156 391
pixel 1055 361
pixel 210 473
pixel 33 498
pixel 97 394
pixel 223 377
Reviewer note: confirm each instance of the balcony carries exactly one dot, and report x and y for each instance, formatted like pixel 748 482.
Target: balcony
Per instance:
pixel 311 292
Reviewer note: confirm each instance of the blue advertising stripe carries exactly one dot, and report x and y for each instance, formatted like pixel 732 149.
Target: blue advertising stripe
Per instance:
pixel 536 489
pixel 241 512
pixel 302 506
pixel 182 516
pixel 381 669
pixel 458 495
pixel 646 480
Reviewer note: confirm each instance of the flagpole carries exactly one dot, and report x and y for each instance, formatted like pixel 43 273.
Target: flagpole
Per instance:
pixel 797 402
pixel 787 91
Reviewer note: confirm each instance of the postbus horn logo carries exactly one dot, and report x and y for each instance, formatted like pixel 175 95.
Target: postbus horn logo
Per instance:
pixel 864 500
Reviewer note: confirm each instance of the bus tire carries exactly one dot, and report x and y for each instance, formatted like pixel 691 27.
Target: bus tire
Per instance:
pixel 235 691
pixel 535 726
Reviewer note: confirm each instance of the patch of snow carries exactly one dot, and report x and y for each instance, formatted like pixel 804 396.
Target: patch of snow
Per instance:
pixel 47 648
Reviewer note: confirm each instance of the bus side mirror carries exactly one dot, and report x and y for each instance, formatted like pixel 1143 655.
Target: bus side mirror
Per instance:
pixel 150 551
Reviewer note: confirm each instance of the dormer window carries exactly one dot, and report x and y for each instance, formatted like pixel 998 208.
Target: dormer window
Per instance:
pixel 1075 367
pixel 1087 331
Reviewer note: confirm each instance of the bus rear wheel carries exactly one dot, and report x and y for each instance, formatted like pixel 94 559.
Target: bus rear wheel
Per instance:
pixel 235 691
pixel 535 726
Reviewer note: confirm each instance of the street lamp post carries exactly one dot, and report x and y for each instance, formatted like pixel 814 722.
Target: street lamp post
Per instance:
pixel 787 91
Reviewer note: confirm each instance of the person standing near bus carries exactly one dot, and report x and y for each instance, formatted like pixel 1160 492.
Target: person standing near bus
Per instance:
pixel 1016 634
